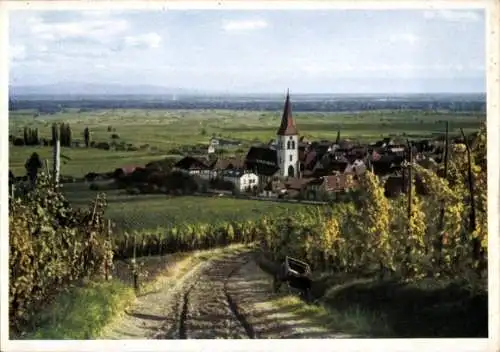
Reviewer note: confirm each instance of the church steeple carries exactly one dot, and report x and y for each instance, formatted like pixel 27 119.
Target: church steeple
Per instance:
pixel 287 127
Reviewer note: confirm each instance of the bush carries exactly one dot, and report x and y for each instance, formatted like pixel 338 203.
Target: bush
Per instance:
pixel 19 142
pixel 103 145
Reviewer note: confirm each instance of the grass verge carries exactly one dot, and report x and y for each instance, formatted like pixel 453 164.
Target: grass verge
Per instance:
pixel 354 322
pixel 364 305
pixel 81 312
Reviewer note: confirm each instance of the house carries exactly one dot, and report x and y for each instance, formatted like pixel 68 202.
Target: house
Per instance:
pixel 358 167
pixel 262 161
pixel 243 181
pixel 340 182
pixel 124 171
pixel 223 143
pixel 326 187
pixel 382 144
pixel 397 149
pixel 227 163
pixel 193 166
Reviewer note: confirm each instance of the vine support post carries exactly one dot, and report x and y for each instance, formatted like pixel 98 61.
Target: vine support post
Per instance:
pixel 46 166
pixel 439 242
pixel 134 265
pixel 56 154
pixel 476 245
pixel 106 264
pixel 410 200
pixel 410 182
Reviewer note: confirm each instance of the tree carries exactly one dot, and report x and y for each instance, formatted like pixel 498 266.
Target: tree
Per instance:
pixel 62 134
pixel 33 164
pixel 68 134
pixel 26 136
pixel 86 136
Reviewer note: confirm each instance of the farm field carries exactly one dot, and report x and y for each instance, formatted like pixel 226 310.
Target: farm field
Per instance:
pixel 156 211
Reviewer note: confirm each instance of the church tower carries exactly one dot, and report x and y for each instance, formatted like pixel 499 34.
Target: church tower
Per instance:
pixel 288 143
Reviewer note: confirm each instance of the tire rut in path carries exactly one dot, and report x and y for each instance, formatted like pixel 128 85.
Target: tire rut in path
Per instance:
pixel 183 315
pixel 234 307
pixel 208 310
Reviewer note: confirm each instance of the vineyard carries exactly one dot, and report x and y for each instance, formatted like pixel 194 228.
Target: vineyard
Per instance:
pixel 442 234
pixel 156 212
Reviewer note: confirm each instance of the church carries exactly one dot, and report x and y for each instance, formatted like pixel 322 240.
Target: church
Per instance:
pixel 282 158
pixel 287 143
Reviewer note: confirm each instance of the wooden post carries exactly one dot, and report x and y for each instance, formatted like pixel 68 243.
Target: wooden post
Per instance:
pixel 56 154
pixel 476 245
pixel 410 198
pixel 134 266
pixel 106 266
pixel 446 146
pixel 472 215
pixel 439 242
pixel 410 179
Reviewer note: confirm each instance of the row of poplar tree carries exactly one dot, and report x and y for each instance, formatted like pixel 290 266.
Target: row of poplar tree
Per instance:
pixel 31 135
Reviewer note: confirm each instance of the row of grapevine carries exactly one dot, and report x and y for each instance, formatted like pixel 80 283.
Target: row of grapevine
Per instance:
pixel 51 247
pixel 184 238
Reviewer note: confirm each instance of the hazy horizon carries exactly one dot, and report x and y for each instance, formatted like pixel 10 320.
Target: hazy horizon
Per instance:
pixel 253 52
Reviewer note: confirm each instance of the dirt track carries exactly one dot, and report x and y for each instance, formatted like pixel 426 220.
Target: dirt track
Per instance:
pixel 229 297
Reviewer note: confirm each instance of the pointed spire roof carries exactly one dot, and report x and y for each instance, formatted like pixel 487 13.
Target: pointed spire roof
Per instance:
pixel 287 127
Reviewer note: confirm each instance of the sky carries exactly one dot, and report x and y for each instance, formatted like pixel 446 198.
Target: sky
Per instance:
pixel 314 51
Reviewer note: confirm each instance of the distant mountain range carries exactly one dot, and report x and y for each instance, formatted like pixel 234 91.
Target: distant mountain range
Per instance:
pixel 337 87
pixel 96 89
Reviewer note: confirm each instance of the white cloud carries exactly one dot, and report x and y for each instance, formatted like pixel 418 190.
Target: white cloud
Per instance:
pixel 409 38
pixel 244 25
pixel 97 29
pixel 453 15
pixel 150 40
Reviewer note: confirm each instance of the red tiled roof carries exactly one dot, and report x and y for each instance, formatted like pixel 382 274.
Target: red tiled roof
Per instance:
pixel 229 163
pixel 128 169
pixel 310 157
pixel 297 183
pixel 287 127
pixel 339 182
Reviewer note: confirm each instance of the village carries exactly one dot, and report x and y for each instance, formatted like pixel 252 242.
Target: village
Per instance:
pixel 291 167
